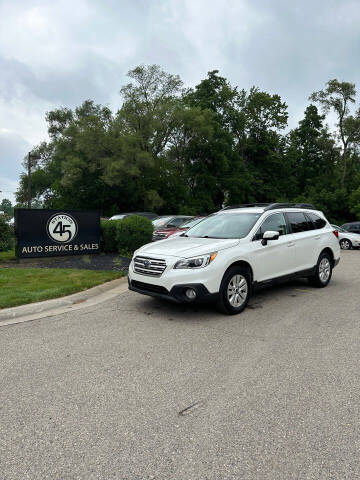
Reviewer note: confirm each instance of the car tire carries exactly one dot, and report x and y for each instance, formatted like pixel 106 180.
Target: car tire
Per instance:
pixel 345 244
pixel 235 291
pixel 323 271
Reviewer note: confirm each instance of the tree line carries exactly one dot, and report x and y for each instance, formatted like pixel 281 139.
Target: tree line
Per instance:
pixel 172 149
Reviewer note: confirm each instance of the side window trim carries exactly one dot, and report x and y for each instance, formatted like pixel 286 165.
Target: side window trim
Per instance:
pixel 314 227
pixel 265 219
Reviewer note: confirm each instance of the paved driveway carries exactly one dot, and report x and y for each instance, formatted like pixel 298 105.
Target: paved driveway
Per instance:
pixel 137 389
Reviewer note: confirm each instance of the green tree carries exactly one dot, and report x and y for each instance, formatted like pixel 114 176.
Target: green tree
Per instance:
pixel 7 207
pixel 337 97
pixel 312 152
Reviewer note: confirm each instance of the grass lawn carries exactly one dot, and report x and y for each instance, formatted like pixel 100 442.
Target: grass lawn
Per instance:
pixel 28 285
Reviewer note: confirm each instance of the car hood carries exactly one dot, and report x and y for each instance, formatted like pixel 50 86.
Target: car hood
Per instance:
pixel 187 247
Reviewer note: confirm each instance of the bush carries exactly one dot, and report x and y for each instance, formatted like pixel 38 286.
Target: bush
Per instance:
pixel 6 235
pixel 108 228
pixel 132 233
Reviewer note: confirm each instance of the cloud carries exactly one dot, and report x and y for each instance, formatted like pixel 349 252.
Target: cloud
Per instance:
pixel 60 53
pixel 13 148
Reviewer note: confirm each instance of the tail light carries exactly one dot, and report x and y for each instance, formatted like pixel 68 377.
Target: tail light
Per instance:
pixel 336 233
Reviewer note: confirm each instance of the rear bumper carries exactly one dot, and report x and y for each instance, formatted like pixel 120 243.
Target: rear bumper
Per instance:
pixel 176 294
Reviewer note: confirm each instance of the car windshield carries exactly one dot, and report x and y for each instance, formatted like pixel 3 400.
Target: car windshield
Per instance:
pixel 339 229
pixel 225 225
pixel 192 222
pixel 176 222
pixel 159 222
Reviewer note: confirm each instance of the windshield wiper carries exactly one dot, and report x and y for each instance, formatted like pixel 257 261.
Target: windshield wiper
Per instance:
pixel 209 236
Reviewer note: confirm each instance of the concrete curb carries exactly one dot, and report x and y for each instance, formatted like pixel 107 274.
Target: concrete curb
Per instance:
pixel 56 306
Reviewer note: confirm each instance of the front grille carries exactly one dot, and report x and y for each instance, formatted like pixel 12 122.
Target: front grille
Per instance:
pixel 159 236
pixel 147 287
pixel 153 267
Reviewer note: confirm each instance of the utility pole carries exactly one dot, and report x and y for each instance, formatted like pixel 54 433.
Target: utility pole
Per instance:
pixel 29 157
pixel 29 180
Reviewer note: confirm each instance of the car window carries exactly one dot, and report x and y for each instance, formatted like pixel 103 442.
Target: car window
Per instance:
pixel 224 225
pixel 275 223
pixel 317 221
pixel 159 222
pixel 298 222
pixel 192 222
pixel 352 227
pixel 175 222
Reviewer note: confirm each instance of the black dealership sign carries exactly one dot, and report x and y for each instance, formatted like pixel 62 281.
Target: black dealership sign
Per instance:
pixel 49 233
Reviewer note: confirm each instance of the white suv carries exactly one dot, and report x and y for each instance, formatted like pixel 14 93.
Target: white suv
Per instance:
pixel 232 252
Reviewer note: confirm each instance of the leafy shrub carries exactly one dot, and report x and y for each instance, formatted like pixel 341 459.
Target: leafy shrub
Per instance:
pixel 6 235
pixel 132 233
pixel 108 229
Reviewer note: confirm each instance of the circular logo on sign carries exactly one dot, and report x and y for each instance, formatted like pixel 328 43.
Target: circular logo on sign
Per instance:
pixel 62 227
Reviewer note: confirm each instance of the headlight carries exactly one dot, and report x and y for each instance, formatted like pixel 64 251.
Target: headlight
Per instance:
pixel 196 262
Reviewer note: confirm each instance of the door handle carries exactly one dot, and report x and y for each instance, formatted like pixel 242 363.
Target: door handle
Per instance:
pixel 317 237
pixel 291 244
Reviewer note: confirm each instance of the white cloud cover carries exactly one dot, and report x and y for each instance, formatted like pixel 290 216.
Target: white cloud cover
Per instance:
pixel 61 53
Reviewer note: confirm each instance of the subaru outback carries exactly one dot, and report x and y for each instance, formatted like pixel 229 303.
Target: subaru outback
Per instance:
pixel 231 253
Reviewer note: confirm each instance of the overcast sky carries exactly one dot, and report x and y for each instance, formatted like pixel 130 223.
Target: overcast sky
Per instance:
pixel 60 52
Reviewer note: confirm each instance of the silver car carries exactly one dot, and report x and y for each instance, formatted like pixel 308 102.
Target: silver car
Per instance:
pixel 347 240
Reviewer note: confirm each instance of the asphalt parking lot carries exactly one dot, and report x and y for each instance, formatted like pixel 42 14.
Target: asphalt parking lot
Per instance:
pixel 137 389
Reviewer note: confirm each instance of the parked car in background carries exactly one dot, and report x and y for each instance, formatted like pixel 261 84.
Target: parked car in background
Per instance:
pixel 353 227
pixel 121 216
pixel 173 221
pixel 166 232
pixel 347 240
pixel 161 220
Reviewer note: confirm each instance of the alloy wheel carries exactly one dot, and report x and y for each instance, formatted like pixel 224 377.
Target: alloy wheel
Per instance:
pixel 345 245
pixel 237 291
pixel 324 270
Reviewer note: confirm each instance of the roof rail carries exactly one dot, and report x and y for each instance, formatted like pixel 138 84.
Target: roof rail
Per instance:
pixel 271 206
pixel 274 206
pixel 247 205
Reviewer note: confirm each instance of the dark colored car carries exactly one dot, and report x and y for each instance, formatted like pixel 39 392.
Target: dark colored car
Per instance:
pixel 149 215
pixel 171 221
pixel 166 232
pixel 353 227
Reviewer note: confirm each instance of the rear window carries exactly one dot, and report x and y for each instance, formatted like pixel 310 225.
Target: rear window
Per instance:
pixel 352 227
pixel 298 222
pixel 317 221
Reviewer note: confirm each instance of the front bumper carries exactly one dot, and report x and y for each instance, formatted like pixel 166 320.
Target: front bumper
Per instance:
pixel 176 294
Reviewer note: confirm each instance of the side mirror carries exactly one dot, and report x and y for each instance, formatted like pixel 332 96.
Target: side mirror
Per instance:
pixel 269 235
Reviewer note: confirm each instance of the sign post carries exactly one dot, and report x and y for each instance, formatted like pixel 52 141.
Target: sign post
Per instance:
pixel 50 233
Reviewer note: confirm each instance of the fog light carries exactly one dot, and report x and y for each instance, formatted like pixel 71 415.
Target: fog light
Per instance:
pixel 190 293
